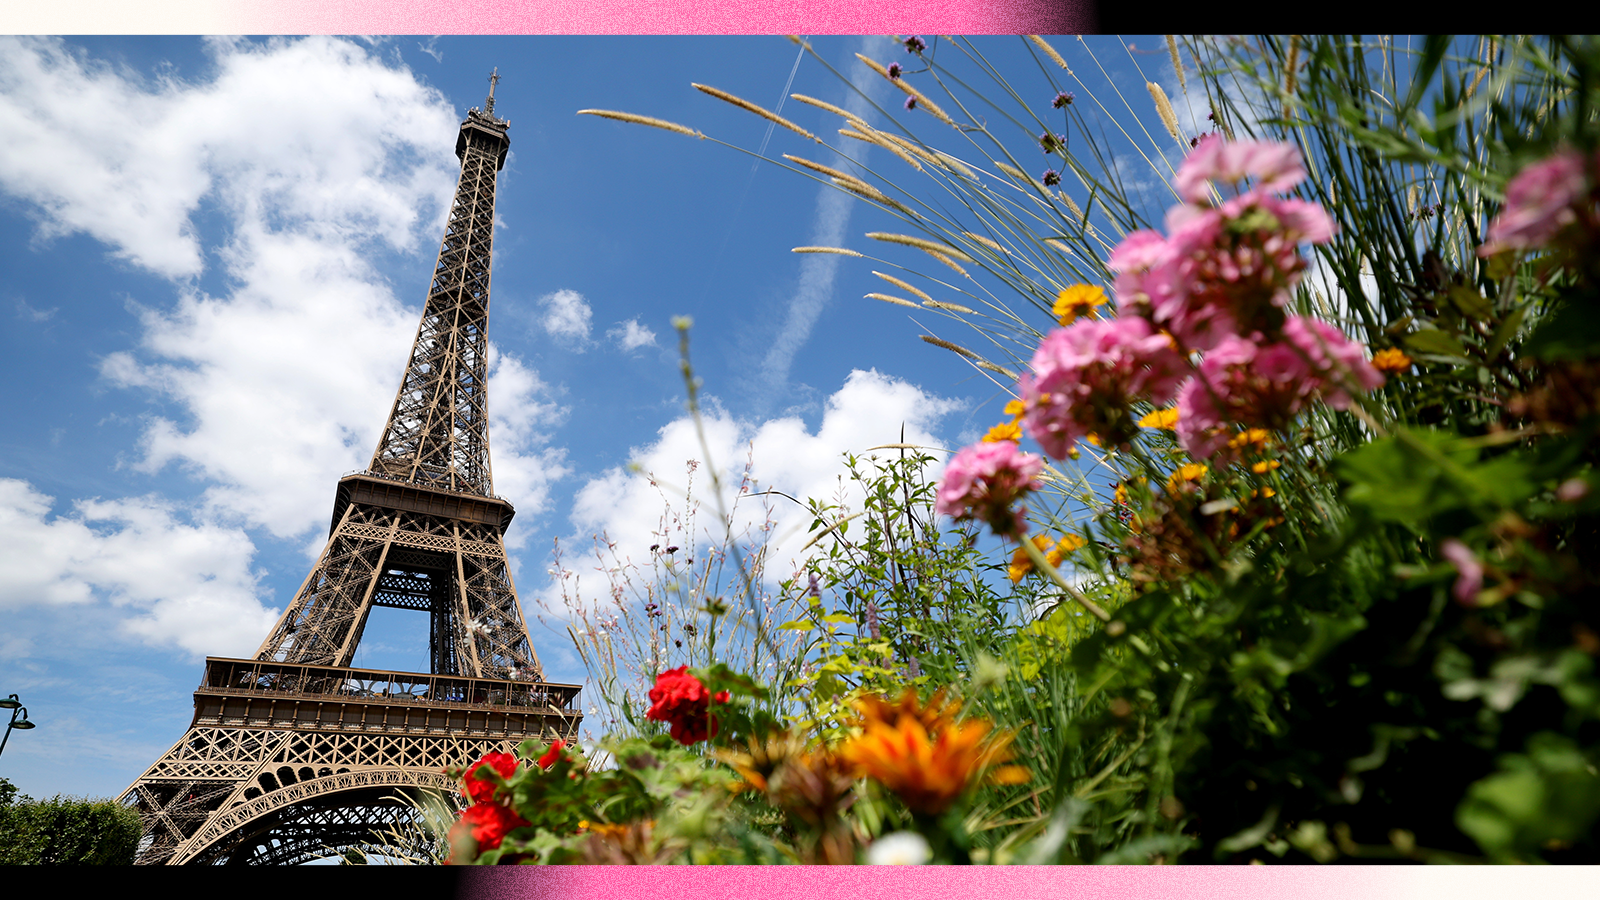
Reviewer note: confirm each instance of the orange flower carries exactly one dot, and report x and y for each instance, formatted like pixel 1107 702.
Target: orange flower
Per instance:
pixel 1390 360
pixel 923 755
pixel 1076 301
pixel 1066 545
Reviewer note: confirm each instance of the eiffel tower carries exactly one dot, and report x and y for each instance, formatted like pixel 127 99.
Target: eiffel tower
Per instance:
pixel 295 755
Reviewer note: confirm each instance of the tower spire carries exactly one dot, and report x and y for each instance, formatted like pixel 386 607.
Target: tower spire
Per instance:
pixel 494 79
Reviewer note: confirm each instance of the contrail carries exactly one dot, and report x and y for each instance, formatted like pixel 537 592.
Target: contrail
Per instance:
pixel 817 270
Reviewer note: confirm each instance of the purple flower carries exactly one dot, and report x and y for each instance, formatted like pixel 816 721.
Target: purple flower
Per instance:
pixel 872 620
pixel 1062 99
pixel 915 44
pixel 911 103
pixel 813 588
pixel 1051 143
pixel 894 70
pixel 1051 178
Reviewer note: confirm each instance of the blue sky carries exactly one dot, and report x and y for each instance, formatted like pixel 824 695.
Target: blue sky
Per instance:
pixel 215 252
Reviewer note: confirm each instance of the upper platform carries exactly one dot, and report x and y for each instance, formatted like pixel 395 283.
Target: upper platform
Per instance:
pixel 484 127
pixel 392 493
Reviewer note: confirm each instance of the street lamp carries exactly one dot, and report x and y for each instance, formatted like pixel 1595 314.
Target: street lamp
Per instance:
pixel 19 718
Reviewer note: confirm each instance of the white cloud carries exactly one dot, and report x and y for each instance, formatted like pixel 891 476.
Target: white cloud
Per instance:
pixel 566 314
pixel 188 585
pixel 30 314
pixel 307 195
pixel 253 372
pixel 129 162
pixel 630 335
pixel 783 455
pixel 520 409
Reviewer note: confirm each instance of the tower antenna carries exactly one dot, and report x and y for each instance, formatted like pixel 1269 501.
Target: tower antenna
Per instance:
pixel 494 79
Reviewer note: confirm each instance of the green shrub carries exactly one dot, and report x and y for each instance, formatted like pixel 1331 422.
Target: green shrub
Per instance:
pixel 65 831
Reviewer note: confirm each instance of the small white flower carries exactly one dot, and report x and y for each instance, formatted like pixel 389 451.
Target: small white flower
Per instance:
pixel 902 848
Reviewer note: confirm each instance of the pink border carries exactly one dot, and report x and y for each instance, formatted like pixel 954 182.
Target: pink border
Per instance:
pixel 664 16
pixel 1024 882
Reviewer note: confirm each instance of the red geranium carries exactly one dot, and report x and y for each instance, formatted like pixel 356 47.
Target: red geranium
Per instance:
pixel 680 700
pixel 489 823
pixel 553 755
pixel 483 791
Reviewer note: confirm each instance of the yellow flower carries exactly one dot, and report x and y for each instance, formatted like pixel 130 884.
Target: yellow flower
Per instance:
pixel 1015 409
pixel 1021 565
pixel 1005 431
pixel 1076 301
pixel 1187 473
pixel 1161 418
pixel 1064 546
pixel 1251 437
pixel 923 755
pixel 1262 468
pixel 1390 360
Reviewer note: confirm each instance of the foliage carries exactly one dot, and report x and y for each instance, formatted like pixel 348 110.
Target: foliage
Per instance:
pixel 1310 613
pixel 65 831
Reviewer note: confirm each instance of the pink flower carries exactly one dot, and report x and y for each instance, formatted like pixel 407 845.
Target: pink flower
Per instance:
pixel 1246 384
pixel 1230 270
pixel 1334 357
pixel 1085 376
pixel 1539 203
pixel 1139 253
pixel 1274 166
pixel 1469 580
pixel 983 480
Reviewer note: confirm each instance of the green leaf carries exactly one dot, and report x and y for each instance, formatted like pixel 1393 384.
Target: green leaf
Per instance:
pixel 1472 304
pixel 797 625
pixel 839 618
pixel 1436 342
pixel 1506 331
pixel 1550 794
pixel 1572 332
pixel 1411 476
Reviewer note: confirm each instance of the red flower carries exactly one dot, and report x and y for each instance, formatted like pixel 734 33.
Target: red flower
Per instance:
pixel 680 700
pixel 553 755
pixel 480 791
pixel 489 823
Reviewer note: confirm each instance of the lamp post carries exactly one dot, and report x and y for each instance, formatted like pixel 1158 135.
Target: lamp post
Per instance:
pixel 22 723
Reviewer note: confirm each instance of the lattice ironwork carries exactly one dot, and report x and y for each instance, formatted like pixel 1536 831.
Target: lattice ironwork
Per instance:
pixel 294 755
